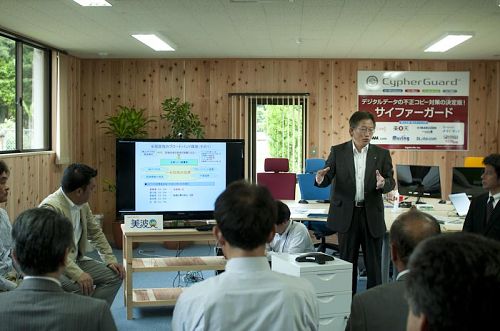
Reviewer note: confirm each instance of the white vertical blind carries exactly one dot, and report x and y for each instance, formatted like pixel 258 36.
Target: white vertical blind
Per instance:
pixel 243 124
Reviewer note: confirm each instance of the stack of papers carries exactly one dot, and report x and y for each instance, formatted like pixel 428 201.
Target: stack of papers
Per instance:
pixel 299 212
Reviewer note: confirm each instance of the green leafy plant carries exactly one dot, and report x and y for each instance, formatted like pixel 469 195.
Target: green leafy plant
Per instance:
pixel 127 123
pixel 183 123
pixel 109 186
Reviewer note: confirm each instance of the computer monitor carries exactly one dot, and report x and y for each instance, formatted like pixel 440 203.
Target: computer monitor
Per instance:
pixel 467 180
pixel 419 181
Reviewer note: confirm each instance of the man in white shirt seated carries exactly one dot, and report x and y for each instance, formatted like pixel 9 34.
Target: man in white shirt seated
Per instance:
pixel 42 242
pixel 248 296
pixel 291 237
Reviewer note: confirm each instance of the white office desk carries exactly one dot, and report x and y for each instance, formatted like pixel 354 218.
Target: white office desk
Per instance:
pixel 445 213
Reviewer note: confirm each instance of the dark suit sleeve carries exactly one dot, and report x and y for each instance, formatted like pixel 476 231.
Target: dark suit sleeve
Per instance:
pixel 357 318
pixel 330 162
pixel 387 172
pixel 468 222
pixel 469 219
pixel 106 323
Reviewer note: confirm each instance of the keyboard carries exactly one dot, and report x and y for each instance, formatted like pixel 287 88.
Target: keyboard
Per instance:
pixel 317 215
pixel 448 220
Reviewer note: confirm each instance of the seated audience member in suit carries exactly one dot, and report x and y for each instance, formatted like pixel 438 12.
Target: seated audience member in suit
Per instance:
pixel 484 213
pixel 454 283
pixel 291 237
pixel 42 242
pixel 384 307
pixel 248 295
pixel 84 275
pixel 8 275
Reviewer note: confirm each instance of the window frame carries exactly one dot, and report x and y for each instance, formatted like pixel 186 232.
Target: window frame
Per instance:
pixel 47 86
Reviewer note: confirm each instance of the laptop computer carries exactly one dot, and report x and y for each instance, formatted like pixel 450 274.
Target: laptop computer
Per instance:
pixel 461 203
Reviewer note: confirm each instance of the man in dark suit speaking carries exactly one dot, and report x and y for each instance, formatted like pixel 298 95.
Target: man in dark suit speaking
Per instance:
pixel 359 173
pixel 42 241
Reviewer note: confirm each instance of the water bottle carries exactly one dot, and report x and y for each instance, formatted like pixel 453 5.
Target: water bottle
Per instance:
pixel 395 205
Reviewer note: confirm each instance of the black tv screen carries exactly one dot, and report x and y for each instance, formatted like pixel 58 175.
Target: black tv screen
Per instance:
pixel 420 181
pixel 468 181
pixel 179 179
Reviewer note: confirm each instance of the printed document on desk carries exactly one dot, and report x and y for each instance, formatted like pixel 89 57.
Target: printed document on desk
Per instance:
pixel 306 213
pixel 461 203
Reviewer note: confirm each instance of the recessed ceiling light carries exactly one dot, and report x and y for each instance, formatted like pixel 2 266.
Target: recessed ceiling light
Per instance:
pixel 448 41
pixel 154 42
pixel 93 3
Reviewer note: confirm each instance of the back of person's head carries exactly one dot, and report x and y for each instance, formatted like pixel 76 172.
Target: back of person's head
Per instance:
pixel 494 161
pixel 283 212
pixel 245 214
pixel 77 176
pixel 411 228
pixel 359 116
pixel 4 167
pixel 454 281
pixel 41 237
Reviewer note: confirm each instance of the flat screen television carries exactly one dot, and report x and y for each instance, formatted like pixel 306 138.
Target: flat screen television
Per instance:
pixel 419 181
pixel 468 181
pixel 179 179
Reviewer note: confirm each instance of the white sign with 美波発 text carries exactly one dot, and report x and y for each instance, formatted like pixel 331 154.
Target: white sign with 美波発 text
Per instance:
pixel 142 223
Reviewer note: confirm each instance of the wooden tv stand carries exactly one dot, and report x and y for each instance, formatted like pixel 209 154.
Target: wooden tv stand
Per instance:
pixel 162 296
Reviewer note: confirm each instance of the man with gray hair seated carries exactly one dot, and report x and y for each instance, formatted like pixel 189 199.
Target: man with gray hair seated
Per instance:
pixel 384 307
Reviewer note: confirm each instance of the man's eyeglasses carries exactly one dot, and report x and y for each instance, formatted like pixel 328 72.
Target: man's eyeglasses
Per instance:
pixel 365 130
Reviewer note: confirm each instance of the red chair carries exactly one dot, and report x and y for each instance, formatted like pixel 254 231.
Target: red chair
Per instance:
pixel 277 179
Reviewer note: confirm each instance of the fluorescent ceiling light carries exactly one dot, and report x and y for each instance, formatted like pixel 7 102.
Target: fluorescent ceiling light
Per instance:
pixel 154 42
pixel 93 3
pixel 448 41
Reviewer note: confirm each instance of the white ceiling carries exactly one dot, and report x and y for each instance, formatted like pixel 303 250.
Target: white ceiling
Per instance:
pixel 386 29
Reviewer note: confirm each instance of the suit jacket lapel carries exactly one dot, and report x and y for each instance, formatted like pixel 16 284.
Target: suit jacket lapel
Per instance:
pixel 493 218
pixel 349 160
pixel 371 160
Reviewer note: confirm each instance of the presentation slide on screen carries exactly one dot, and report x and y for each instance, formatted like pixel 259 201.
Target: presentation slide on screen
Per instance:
pixel 179 176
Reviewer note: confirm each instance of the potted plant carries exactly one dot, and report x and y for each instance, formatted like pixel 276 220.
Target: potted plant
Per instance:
pixel 128 122
pixel 183 123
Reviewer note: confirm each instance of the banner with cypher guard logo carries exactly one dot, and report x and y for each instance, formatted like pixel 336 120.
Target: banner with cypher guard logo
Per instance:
pixel 417 109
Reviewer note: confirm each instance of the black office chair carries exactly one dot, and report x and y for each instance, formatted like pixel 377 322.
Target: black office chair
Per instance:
pixel 321 231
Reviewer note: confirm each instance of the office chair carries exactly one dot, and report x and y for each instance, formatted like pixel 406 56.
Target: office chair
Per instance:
pixel 306 182
pixel 474 162
pixel 321 194
pixel 321 231
pixel 277 179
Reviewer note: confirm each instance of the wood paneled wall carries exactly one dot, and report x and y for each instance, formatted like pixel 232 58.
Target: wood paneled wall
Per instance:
pixel 105 84
pixel 331 83
pixel 32 178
